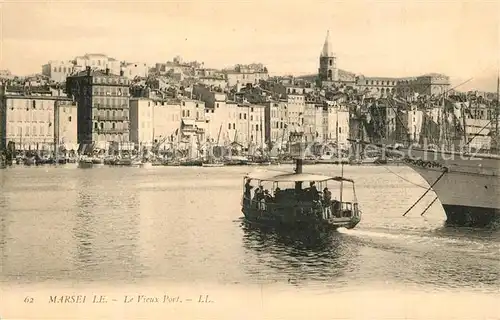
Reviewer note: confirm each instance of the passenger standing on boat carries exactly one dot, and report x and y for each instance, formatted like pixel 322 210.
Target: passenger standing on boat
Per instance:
pixel 266 198
pixel 248 192
pixel 258 195
pixel 327 202
pixel 277 194
pixel 313 192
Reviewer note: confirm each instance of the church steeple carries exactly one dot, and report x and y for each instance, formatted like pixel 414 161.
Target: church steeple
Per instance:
pixel 327 62
pixel 327 48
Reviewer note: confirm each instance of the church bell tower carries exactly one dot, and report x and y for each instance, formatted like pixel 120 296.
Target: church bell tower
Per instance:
pixel 328 71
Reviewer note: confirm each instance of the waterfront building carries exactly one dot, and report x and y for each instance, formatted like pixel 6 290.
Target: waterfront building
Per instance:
pixel 382 127
pixel 222 122
pixel 310 118
pixel 295 109
pixel 411 124
pixel 58 71
pixel 34 121
pixel 479 123
pixel 65 123
pixel 167 117
pixel 276 124
pixel 336 124
pixel 272 123
pixel 193 125
pixel 103 100
pixel 250 130
pixel 142 121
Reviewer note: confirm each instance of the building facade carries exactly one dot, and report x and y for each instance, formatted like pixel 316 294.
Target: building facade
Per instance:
pixel 132 70
pixel 142 121
pixel 33 122
pixel 246 74
pixel 103 112
pixel 167 117
pixel 58 71
pixel 97 61
pixel 66 119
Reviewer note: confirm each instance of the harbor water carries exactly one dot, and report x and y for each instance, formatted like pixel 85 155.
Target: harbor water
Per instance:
pixel 181 226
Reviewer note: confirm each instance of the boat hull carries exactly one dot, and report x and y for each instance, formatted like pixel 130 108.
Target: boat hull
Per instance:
pixel 85 165
pixel 256 216
pixel 210 165
pixel 468 191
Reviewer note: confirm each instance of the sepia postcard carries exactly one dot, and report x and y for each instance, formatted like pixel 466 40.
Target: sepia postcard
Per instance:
pixel 249 159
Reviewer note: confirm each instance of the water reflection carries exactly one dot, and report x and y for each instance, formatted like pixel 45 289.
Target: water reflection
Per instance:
pixel 82 230
pixel 4 211
pixel 106 230
pixel 298 257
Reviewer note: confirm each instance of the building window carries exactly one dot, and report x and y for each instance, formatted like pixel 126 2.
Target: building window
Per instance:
pixel 113 125
pixel 95 125
pixel 217 104
pixel 69 118
pixel 229 127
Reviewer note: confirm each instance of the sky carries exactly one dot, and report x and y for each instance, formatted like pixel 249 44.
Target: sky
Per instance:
pixel 374 38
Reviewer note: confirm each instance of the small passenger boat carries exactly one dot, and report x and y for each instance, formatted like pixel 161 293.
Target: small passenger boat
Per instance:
pixel 293 207
pixel 85 163
pixel 212 164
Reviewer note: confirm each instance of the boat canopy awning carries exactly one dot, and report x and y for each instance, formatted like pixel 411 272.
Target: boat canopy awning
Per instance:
pixel 277 176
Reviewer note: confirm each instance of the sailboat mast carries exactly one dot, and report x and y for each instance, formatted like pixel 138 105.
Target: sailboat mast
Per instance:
pixel 248 128
pixel 260 128
pixel 464 123
pixel 218 135
pixel 497 111
pixel 341 181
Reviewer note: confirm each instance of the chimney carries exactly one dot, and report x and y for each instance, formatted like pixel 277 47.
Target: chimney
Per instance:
pixel 88 70
pixel 107 71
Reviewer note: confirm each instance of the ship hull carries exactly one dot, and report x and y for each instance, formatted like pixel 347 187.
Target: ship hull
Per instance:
pixel 468 191
pixel 457 215
pixel 257 217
